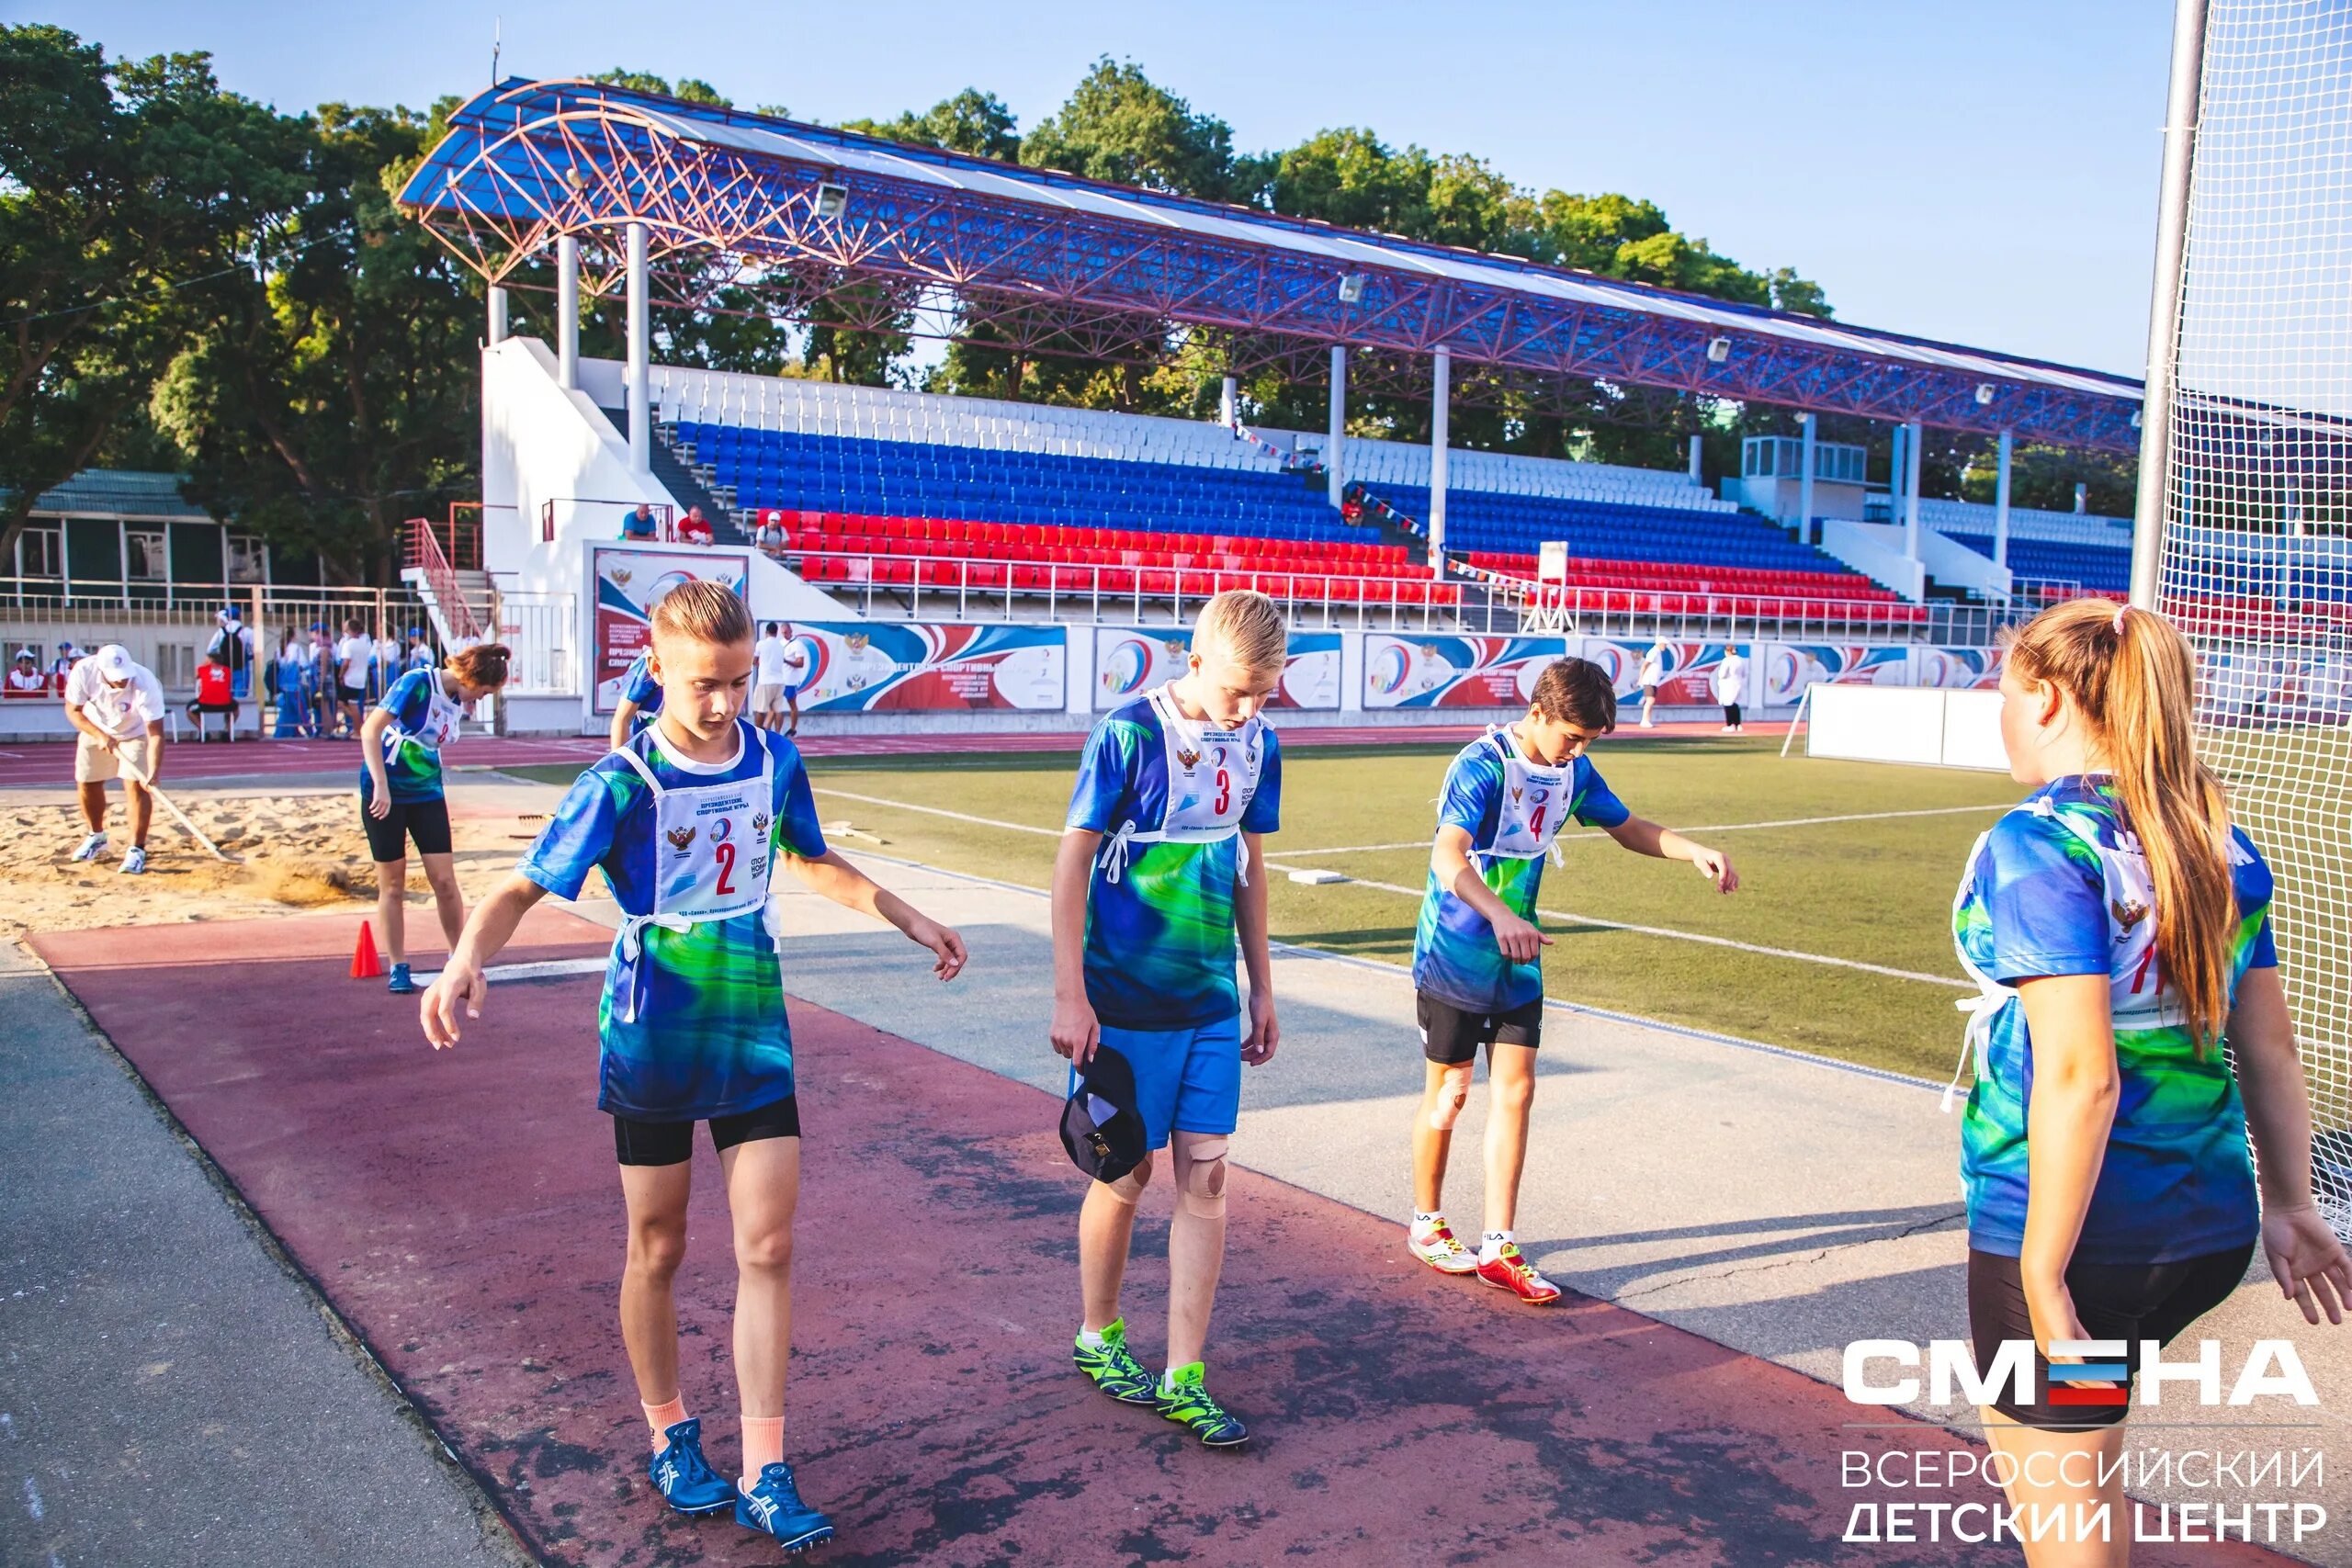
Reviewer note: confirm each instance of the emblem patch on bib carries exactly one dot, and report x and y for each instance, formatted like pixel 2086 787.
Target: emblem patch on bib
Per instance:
pixel 681 837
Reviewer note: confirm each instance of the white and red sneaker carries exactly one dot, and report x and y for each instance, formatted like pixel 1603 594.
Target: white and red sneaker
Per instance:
pixel 1510 1271
pixel 1441 1251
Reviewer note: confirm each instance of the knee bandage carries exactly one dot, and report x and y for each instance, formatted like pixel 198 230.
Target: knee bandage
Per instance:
pixel 1202 1190
pixel 1128 1189
pixel 1453 1093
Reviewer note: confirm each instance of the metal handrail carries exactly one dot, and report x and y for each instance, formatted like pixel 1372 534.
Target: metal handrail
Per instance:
pixel 427 555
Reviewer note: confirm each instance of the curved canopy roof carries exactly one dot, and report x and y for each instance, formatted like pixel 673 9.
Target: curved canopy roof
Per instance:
pixel 781 202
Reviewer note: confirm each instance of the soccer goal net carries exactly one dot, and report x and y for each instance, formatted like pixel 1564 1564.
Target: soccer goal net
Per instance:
pixel 2256 563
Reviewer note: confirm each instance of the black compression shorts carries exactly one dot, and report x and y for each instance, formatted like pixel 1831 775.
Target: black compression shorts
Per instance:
pixel 2130 1301
pixel 672 1143
pixel 426 821
pixel 1451 1036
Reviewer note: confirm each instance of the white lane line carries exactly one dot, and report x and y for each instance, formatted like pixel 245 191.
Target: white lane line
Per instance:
pixel 1293 950
pixel 935 811
pixel 1563 915
pixel 1707 827
pixel 1273 863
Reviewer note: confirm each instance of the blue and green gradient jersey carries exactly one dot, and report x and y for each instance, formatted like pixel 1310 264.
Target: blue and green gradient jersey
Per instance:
pixel 1455 956
pixel 1159 941
pixel 639 686
pixel 710 1038
pixel 2177 1181
pixel 412 772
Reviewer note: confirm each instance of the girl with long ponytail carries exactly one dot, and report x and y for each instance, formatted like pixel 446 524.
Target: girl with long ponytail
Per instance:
pixel 2119 929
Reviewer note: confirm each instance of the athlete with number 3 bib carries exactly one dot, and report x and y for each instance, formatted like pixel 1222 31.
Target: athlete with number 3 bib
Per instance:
pixel 1157 873
pixel 1477 956
pixel 687 824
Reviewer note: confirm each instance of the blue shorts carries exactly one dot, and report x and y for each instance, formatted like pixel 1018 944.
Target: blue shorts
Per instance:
pixel 1187 1081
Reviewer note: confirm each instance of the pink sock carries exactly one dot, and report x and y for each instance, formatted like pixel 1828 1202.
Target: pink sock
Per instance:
pixel 662 1417
pixel 763 1445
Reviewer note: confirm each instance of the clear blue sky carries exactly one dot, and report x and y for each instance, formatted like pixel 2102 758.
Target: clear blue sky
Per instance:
pixel 1984 172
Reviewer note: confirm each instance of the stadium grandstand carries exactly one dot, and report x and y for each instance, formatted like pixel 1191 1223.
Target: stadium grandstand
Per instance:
pixel 860 502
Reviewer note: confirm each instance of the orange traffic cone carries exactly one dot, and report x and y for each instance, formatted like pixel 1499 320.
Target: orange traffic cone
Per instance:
pixel 364 964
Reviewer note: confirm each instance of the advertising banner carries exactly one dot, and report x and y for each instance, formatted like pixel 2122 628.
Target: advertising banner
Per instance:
pixel 1129 662
pixel 1620 658
pixel 876 666
pixel 2246 686
pixel 1690 668
pixel 1791 667
pixel 1454 671
pixel 628 580
pixel 1957 669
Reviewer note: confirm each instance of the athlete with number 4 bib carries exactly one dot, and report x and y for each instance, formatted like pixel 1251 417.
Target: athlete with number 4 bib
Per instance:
pixel 1158 871
pixel 687 824
pixel 1477 965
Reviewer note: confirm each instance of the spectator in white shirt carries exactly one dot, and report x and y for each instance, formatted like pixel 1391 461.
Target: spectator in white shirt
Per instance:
pixel 353 656
pixel 117 706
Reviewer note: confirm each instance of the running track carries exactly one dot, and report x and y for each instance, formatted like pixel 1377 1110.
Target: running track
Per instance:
pixel 51 762
pixel 459 1212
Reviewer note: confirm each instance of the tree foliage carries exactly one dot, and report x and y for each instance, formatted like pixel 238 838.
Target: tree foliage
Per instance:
pixel 336 396
pixel 189 278
pixel 134 196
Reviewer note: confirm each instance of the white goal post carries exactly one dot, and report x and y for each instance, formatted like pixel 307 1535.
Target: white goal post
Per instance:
pixel 2244 528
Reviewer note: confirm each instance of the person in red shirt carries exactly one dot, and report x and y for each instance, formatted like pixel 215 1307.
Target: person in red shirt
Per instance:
pixel 695 528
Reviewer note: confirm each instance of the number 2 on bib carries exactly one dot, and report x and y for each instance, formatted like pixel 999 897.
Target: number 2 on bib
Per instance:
pixel 725 855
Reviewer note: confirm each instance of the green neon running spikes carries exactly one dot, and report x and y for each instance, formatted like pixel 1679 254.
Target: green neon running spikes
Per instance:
pixel 1186 1401
pixel 1113 1369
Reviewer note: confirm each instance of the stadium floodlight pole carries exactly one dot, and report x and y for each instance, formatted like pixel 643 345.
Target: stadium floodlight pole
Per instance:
pixel 1911 451
pixel 1228 403
pixel 641 412
pixel 497 333
pixel 1337 433
pixel 2163 308
pixel 2001 502
pixel 567 312
pixel 1441 391
pixel 1804 479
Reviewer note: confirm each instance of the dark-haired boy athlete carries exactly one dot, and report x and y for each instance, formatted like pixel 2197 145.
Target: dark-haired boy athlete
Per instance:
pixel 1477 967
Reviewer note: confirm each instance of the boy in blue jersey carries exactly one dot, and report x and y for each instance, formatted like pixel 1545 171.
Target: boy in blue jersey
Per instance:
pixel 640 699
pixel 1477 968
pixel 1159 867
pixel 687 823
pixel 401 796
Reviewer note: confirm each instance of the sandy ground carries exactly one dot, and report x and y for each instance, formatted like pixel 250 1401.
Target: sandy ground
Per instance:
pixel 295 851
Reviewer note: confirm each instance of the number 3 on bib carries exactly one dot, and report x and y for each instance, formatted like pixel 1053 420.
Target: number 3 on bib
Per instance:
pixel 1224 793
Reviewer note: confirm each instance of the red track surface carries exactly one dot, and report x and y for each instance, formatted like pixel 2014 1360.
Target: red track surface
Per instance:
pixel 24 764
pixel 460 1212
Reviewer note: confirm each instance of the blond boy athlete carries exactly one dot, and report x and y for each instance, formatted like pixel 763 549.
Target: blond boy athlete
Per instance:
pixel 687 822
pixel 1159 869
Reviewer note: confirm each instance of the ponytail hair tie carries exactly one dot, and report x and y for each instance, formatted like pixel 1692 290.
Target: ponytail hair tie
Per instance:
pixel 2120 611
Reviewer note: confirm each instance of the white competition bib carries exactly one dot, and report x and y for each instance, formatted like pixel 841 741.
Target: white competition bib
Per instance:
pixel 1212 777
pixel 441 717
pixel 711 842
pixel 1535 802
pixel 2134 997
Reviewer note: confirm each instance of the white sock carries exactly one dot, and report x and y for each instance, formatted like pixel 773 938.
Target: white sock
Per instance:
pixel 1090 1337
pixel 1491 1245
pixel 1424 1224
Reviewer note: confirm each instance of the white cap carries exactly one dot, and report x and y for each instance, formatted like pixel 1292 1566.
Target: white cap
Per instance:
pixel 114 664
pixel 28 653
